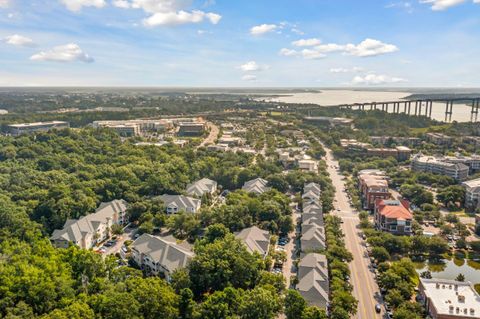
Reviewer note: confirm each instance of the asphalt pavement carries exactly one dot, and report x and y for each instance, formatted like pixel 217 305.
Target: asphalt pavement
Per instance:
pixel 365 289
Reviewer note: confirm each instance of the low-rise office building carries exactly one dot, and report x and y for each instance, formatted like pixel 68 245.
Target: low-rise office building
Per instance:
pixel 449 299
pixel 27 128
pixel 308 165
pixel 191 128
pixel 393 216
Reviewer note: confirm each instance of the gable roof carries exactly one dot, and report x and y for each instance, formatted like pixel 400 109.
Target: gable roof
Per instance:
pixel 313 279
pixel 201 187
pixel 393 209
pixel 314 187
pixel 74 230
pixel 255 239
pixel 168 254
pixel 180 201
pixel 257 186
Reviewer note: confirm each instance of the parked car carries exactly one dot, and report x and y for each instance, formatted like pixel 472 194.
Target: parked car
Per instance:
pixel 378 308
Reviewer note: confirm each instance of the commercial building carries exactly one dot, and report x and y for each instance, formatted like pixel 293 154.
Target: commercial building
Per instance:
pixel 373 185
pixel 313 281
pixel 191 128
pixel 89 230
pixel 160 256
pixel 393 216
pixel 472 194
pixel 135 127
pixel 27 128
pixel 383 140
pixel 449 299
pixel 439 165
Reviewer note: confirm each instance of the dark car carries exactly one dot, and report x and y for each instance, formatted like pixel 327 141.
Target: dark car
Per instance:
pixel 378 308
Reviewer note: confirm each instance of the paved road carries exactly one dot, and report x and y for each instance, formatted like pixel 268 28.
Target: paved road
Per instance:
pixel 365 289
pixel 290 250
pixel 212 136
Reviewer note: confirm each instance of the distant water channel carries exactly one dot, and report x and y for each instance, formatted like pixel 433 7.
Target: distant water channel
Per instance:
pixel 449 269
pixel 461 112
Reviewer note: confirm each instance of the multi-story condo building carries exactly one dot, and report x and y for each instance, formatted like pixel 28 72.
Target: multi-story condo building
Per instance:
pixel 439 138
pixel 313 281
pixel 159 255
pixel 27 128
pixel 439 165
pixel 472 161
pixel 393 216
pixel 373 185
pixel 89 230
pixel 472 194
pixel 449 299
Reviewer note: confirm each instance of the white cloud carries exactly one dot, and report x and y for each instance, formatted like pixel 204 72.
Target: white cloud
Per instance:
pixel 288 52
pixel 297 31
pixel 263 28
pixel 405 5
pixel 4 3
pixel 312 54
pixel 180 17
pixel 77 5
pixel 376 79
pixel 168 12
pixel 252 66
pixel 249 77
pixel 306 42
pixel 355 69
pixel 439 5
pixel 63 53
pixel 370 47
pixel 19 41
pixel 124 4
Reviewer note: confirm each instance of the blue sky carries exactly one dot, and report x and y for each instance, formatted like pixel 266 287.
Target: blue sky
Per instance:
pixel 252 43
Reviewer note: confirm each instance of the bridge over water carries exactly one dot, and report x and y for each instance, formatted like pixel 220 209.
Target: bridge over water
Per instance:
pixel 412 107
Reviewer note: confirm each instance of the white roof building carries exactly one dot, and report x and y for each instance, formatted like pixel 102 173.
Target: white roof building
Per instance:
pixel 450 299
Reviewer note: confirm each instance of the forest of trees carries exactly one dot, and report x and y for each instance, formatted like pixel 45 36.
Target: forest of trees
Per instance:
pixel 49 177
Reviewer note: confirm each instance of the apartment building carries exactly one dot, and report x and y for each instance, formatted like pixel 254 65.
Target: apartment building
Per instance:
pixel 472 194
pixel 439 139
pixel 89 230
pixel 160 256
pixel 449 299
pixel 373 185
pixel 393 216
pixel 177 203
pixel 439 165
pixel 27 128
pixel 255 239
pixel 383 140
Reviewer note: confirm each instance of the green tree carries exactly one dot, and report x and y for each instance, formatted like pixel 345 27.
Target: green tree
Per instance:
pixel 294 305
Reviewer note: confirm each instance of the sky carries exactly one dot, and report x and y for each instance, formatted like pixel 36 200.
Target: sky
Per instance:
pixel 240 43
